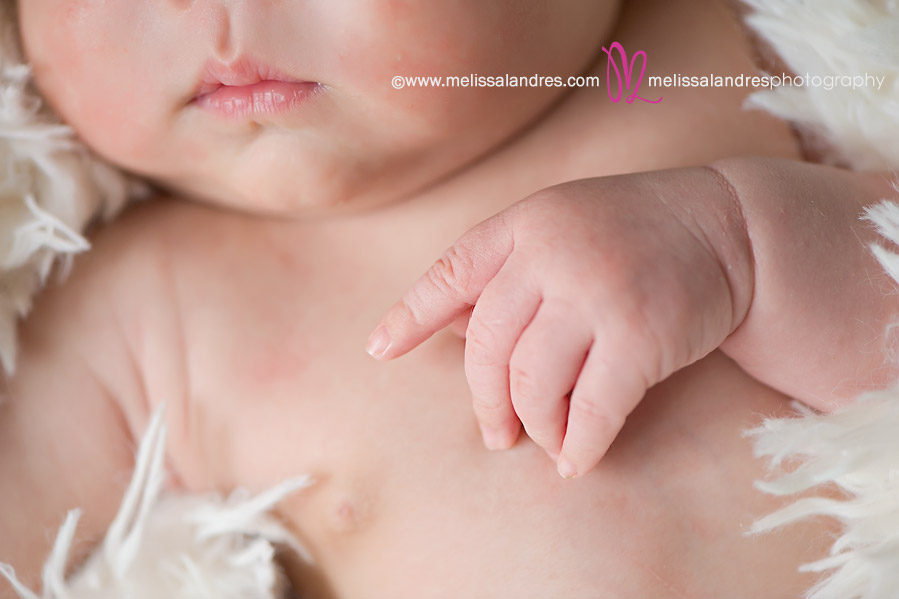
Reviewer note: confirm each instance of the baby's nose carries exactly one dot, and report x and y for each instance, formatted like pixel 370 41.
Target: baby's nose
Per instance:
pixel 211 20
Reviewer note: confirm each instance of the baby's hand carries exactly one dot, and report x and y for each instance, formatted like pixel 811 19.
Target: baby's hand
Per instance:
pixel 594 290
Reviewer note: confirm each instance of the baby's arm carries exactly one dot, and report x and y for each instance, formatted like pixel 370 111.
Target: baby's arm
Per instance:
pixel 645 274
pixel 820 300
pixel 583 296
pixel 64 442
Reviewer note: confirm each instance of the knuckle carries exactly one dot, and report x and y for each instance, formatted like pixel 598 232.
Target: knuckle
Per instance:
pixel 633 348
pixel 544 201
pixel 644 358
pixel 414 306
pixel 452 271
pixel 490 410
pixel 537 210
pixel 602 420
pixel 541 435
pixel 523 385
pixel 489 406
pixel 481 343
pixel 550 204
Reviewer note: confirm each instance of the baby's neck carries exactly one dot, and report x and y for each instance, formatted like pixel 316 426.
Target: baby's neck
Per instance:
pixel 586 134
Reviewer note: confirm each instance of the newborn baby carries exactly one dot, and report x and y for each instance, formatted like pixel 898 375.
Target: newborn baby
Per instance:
pixel 322 193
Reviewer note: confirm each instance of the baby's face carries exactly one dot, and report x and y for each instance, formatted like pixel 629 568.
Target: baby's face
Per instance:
pixel 308 119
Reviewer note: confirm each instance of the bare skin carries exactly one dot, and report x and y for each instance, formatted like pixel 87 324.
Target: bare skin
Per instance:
pixel 252 331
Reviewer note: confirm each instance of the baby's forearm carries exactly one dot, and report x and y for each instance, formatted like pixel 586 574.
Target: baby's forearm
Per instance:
pixel 820 302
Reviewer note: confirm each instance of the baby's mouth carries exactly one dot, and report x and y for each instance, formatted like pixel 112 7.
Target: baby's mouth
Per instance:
pixel 266 97
pixel 246 88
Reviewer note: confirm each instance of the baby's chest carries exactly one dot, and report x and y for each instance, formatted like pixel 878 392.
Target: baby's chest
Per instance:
pixel 271 323
pixel 272 347
pixel 278 384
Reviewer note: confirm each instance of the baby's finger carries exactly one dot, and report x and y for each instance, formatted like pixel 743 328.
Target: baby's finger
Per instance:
pixel 603 397
pixel 543 369
pixel 503 311
pixel 451 286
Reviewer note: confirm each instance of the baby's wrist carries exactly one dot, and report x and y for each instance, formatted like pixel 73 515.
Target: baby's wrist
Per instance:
pixel 817 289
pixel 726 228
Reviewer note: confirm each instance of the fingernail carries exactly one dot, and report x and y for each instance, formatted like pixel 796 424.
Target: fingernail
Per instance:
pixel 566 469
pixel 493 438
pixel 378 342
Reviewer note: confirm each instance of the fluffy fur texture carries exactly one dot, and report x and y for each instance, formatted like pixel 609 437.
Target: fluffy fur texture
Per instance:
pixel 859 127
pixel 51 187
pixel 172 546
pixel 848 461
pixel 176 547
pixel 852 458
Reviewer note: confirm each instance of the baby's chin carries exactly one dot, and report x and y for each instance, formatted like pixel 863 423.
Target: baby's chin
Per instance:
pixel 299 190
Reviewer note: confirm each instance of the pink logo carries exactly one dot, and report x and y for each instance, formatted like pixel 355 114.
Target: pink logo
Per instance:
pixel 627 82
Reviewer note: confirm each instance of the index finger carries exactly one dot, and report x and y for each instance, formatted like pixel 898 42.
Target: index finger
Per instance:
pixel 445 291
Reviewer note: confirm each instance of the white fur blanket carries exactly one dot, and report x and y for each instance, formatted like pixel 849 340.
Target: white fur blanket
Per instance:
pixel 174 546
pixel 51 187
pixel 857 448
pixel 159 546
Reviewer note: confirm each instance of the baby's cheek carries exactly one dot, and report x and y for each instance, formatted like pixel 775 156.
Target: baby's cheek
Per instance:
pixel 414 38
pixel 390 38
pixel 89 75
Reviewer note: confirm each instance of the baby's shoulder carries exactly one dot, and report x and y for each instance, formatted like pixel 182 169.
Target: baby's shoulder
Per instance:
pixel 138 262
pixel 77 398
pixel 114 309
pixel 152 278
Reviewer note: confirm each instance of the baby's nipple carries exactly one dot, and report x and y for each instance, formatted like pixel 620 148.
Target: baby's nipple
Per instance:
pixel 349 514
